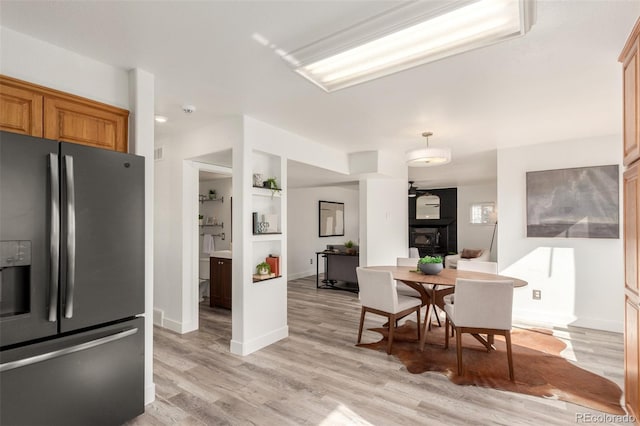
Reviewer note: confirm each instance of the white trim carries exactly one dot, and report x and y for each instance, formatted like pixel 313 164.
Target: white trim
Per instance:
pixel 149 393
pixel 301 275
pixel 190 251
pixel 246 348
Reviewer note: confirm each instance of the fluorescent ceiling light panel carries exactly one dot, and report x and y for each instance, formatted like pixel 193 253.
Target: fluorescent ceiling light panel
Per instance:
pixel 350 57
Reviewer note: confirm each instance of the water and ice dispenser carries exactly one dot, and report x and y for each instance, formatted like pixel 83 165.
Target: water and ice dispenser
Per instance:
pixel 15 268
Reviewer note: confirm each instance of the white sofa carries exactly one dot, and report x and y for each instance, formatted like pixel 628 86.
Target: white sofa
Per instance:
pixel 451 261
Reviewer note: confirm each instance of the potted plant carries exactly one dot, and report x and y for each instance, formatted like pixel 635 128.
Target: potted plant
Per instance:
pixel 430 265
pixel 271 184
pixel 263 268
pixel 212 194
pixel 349 247
pixel 200 219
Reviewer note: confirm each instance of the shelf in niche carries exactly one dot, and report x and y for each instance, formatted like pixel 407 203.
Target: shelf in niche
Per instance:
pixel 213 224
pixel 259 278
pixel 266 192
pixel 205 200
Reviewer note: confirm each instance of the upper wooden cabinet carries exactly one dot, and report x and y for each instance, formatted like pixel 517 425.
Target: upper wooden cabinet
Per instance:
pixel 39 111
pixel 631 91
pixel 20 110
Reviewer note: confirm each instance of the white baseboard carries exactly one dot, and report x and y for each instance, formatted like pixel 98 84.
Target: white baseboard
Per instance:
pixel 545 319
pixel 149 393
pixel 300 275
pixel 246 348
pixel 172 325
pixel 158 317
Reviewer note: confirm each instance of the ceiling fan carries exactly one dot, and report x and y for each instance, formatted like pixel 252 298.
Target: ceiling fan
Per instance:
pixel 412 189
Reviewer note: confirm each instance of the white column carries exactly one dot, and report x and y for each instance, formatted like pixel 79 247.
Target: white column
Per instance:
pixel 141 142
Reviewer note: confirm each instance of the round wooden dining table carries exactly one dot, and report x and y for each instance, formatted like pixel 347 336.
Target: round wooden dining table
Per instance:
pixel 433 295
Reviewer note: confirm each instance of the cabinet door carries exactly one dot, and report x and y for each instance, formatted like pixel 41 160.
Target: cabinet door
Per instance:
pixel 225 277
pixel 20 110
pixel 631 229
pixel 631 359
pixel 220 282
pixel 77 122
pixel 631 73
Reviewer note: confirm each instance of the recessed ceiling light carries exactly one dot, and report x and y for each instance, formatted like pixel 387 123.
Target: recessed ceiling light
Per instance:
pixel 409 35
pixel 160 119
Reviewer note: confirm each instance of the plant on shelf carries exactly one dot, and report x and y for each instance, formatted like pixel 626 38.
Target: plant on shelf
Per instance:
pixel 263 268
pixel 200 219
pixel 212 194
pixel 349 247
pixel 271 184
pixel 430 265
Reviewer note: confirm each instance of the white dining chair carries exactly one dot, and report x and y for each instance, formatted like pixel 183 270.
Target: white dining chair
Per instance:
pixel 478 266
pixel 402 288
pixel 481 307
pixel 378 295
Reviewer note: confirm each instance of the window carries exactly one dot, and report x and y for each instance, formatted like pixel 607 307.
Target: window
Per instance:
pixel 483 213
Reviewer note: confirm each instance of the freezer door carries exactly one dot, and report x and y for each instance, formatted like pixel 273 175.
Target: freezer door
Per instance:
pixel 28 234
pixel 102 262
pixel 89 378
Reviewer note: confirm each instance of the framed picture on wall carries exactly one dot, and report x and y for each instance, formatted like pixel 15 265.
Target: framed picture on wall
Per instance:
pixel 582 202
pixel 330 219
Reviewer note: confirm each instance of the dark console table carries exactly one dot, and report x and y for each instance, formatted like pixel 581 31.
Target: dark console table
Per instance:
pixel 339 270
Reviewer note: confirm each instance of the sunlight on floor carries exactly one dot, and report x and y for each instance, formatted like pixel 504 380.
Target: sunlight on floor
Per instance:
pixel 342 415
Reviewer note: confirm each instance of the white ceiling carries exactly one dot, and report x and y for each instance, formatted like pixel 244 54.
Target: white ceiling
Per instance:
pixel 560 81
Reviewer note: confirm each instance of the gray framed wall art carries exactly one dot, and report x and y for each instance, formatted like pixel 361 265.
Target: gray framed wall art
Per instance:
pixel 581 202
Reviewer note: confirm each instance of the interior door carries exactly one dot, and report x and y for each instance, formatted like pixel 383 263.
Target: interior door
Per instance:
pixel 103 236
pixel 27 277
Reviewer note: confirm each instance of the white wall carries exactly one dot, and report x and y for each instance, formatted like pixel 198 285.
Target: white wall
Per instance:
pixel 384 221
pixel 36 61
pixel 475 236
pixel 176 230
pixel 581 279
pixel 303 240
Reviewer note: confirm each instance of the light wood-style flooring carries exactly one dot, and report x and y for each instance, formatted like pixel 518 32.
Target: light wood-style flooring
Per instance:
pixel 317 376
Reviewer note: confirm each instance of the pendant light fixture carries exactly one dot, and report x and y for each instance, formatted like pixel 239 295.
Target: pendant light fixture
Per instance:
pixel 426 157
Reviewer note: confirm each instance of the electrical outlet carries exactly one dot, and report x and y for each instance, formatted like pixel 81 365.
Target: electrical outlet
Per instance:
pixel 311 261
pixel 537 294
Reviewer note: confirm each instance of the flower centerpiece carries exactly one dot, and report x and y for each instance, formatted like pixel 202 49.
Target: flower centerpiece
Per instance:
pixel 430 265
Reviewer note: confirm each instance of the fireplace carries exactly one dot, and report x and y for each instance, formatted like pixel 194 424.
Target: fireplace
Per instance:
pixel 428 240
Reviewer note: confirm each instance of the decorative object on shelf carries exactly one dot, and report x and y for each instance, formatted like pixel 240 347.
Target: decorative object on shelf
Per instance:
pixel 272 222
pixel 274 262
pixel 430 265
pixel 331 219
pixel 210 220
pixel 200 219
pixel 426 157
pixel 258 180
pixel 263 268
pixel 212 194
pixel 254 215
pixel 201 197
pixel 349 247
pixel 272 184
pixel 263 227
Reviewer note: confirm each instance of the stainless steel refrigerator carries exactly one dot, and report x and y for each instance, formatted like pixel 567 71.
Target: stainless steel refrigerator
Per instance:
pixel 71 283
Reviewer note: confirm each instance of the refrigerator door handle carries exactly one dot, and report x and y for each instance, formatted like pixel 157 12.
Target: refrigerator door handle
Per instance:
pixel 54 240
pixel 65 351
pixel 71 236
